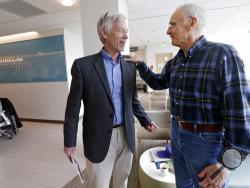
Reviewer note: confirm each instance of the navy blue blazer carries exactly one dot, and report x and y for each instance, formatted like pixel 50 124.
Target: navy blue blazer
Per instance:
pixel 90 85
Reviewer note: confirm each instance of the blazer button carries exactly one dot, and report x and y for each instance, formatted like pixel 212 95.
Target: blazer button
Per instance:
pixel 109 131
pixel 111 115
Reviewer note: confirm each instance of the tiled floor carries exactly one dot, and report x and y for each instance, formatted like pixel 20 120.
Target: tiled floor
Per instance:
pixel 34 158
pixel 240 178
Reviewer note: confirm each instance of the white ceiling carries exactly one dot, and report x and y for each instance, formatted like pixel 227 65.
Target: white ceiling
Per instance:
pixel 53 16
pixel 148 20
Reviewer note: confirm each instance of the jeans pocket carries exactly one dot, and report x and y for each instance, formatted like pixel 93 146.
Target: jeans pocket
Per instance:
pixel 213 137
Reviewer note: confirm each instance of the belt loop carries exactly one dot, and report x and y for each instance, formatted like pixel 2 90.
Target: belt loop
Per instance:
pixel 178 120
pixel 195 128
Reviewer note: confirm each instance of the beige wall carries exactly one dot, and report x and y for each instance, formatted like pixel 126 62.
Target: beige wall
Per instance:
pixel 161 59
pixel 45 100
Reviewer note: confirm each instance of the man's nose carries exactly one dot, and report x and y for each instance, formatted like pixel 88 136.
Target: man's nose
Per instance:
pixel 168 31
pixel 125 36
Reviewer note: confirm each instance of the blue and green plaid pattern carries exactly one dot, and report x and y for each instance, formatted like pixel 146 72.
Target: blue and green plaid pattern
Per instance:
pixel 208 86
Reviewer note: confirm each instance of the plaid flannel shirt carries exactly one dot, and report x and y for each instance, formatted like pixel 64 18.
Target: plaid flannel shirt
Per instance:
pixel 208 86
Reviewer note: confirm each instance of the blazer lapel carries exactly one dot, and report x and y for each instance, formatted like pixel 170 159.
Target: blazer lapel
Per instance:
pixel 124 69
pixel 100 69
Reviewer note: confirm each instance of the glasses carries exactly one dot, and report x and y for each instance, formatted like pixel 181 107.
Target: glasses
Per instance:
pixel 106 15
pixel 173 24
pixel 104 18
pixel 123 31
pixel 187 18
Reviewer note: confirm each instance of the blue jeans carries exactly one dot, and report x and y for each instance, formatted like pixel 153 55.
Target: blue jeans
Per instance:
pixel 192 152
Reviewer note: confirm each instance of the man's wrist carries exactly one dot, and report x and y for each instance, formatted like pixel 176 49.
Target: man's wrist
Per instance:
pixel 139 61
pixel 140 66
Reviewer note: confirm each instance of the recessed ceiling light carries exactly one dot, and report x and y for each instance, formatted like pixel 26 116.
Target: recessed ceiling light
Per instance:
pixel 67 3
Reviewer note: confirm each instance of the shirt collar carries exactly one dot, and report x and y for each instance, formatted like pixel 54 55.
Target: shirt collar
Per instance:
pixel 197 45
pixel 107 56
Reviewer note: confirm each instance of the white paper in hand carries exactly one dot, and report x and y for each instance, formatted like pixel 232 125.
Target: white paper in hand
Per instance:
pixel 77 167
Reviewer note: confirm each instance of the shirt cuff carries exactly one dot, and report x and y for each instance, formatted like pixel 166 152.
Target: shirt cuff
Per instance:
pixel 141 66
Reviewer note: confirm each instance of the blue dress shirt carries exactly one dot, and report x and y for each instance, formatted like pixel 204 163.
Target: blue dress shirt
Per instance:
pixel 114 74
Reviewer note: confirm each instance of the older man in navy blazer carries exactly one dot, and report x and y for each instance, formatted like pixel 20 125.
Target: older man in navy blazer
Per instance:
pixel 107 86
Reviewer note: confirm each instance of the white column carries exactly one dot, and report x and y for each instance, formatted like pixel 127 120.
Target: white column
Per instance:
pixel 90 13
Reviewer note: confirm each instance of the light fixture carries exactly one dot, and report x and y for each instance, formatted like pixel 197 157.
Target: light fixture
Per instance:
pixel 67 3
pixel 18 37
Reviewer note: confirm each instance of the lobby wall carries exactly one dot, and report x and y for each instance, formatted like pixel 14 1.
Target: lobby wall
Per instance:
pixel 45 100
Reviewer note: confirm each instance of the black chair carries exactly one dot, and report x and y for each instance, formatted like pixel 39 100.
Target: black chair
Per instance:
pixel 7 127
pixel 9 121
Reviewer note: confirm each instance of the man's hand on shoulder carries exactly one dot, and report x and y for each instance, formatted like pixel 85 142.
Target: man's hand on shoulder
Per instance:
pixel 132 59
pixel 151 127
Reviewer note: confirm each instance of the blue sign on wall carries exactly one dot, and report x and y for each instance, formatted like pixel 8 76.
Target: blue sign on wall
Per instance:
pixel 38 60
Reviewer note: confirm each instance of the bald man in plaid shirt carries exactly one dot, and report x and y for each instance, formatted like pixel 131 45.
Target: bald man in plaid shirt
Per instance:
pixel 210 99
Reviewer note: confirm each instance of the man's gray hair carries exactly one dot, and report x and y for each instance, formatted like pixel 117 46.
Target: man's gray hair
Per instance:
pixel 195 11
pixel 106 21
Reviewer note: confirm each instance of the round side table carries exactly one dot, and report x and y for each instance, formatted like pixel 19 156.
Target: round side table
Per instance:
pixel 150 176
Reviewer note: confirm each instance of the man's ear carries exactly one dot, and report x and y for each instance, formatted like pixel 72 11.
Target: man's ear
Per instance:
pixel 192 22
pixel 104 34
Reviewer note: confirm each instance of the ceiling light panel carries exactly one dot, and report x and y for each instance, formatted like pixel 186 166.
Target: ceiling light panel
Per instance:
pixel 20 8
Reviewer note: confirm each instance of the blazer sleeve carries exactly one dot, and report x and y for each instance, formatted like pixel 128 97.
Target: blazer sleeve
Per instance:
pixel 73 107
pixel 155 81
pixel 138 110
